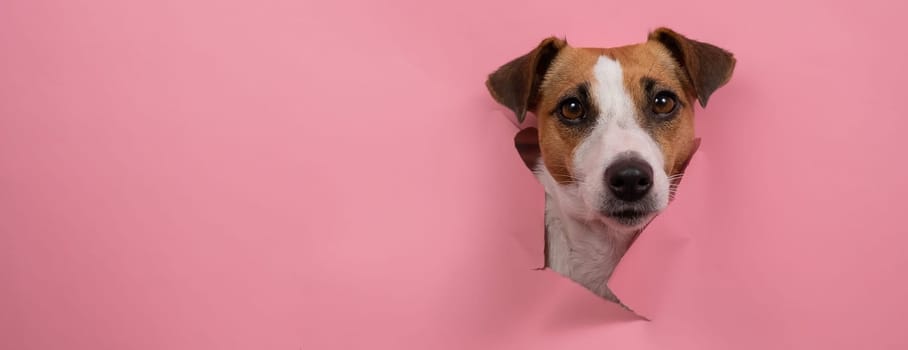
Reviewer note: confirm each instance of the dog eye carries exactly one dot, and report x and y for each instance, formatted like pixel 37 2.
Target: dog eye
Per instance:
pixel 571 109
pixel 664 104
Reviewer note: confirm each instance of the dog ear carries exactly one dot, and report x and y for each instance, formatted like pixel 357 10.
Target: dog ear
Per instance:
pixel 516 84
pixel 708 67
pixel 527 143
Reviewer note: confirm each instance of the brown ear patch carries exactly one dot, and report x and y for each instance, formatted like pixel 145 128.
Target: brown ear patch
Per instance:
pixel 707 66
pixel 516 84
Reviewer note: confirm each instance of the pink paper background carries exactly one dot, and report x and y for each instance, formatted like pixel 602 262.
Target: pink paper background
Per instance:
pixel 297 175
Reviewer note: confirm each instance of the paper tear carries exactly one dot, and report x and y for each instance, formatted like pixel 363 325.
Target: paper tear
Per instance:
pixel 526 141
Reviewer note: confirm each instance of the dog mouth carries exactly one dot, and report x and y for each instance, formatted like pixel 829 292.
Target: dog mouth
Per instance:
pixel 629 217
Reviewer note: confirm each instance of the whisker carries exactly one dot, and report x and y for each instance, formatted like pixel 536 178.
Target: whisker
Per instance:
pixel 571 178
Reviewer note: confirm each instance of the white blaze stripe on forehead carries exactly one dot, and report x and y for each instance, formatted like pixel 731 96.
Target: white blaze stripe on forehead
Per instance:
pixel 616 132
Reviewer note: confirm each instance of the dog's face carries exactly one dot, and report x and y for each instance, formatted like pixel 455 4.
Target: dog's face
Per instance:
pixel 616 125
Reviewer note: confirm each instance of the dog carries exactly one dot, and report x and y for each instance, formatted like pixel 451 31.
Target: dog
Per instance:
pixel 615 131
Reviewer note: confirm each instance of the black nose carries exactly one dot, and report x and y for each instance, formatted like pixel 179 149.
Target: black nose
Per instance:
pixel 629 179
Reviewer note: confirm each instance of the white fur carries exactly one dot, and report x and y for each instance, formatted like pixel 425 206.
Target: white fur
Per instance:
pixel 617 132
pixel 582 250
pixel 584 245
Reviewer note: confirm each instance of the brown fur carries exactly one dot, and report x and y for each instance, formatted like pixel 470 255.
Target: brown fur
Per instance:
pixel 652 61
pixel 579 245
pixel 556 140
pixel 689 68
pixel 574 66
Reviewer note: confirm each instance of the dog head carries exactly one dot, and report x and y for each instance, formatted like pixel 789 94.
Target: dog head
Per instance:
pixel 615 125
